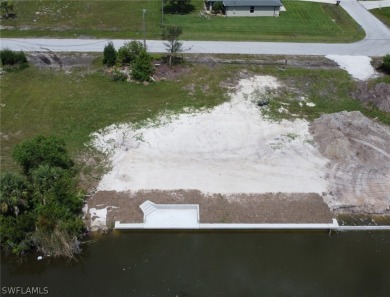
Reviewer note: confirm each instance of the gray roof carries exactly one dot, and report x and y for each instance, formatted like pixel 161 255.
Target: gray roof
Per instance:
pixel 252 3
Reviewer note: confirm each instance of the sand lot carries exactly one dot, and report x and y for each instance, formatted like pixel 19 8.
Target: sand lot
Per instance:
pixel 228 149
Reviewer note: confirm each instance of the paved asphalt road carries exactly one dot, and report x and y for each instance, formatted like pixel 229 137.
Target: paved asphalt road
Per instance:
pixel 376 43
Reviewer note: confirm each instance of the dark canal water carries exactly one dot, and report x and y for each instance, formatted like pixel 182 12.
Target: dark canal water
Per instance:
pixel 216 264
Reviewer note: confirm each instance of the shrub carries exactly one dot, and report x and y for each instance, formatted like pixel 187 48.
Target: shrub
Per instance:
pixel 128 52
pixel 109 55
pixel 117 75
pixel 386 63
pixel 217 6
pixel 12 58
pixel 142 67
pixel 42 150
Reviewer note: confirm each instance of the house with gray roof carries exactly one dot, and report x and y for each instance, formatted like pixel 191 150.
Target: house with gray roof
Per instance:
pixel 249 8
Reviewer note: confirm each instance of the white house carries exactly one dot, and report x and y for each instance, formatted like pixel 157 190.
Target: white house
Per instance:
pixel 249 7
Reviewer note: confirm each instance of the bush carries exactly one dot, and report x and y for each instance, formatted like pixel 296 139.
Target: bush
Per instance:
pixel 12 58
pixel 109 55
pixel 386 63
pixel 42 150
pixel 117 75
pixel 142 67
pixel 217 6
pixel 128 52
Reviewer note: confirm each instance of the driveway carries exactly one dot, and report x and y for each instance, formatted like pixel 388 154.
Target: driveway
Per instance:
pixel 375 4
pixel 376 43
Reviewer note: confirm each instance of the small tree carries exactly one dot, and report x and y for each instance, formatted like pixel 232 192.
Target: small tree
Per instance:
pixel 171 34
pixel 386 63
pixel 142 67
pixel 128 52
pixel 109 55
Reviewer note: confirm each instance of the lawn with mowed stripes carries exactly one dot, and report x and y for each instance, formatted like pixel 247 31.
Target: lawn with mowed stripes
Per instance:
pixel 302 22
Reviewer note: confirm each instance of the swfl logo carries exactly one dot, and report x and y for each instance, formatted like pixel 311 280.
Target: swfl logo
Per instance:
pixel 24 290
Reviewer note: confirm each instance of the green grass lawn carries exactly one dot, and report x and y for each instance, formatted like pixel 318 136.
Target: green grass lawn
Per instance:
pixel 383 14
pixel 303 21
pixel 83 18
pixel 73 105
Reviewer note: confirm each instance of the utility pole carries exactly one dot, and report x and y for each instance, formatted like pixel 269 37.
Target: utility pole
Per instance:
pixel 144 26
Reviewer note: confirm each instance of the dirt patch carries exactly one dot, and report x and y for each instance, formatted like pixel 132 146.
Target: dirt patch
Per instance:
pixel 378 95
pixel 359 168
pixel 174 73
pixel 317 62
pixel 217 208
pixel 49 59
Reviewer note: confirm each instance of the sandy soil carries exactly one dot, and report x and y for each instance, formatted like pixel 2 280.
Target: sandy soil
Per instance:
pixel 359 67
pixel 228 149
pixel 359 168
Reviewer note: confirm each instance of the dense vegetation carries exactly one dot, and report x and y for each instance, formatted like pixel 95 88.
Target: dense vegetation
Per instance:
pixel 41 208
pixel 303 21
pixel 386 63
pixel 131 54
pixel 13 60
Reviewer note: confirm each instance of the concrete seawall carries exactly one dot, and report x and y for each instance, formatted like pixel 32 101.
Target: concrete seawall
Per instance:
pixel 334 226
pixel 186 217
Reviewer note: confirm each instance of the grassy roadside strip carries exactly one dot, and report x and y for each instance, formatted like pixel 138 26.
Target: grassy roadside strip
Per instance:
pixel 383 14
pixel 302 22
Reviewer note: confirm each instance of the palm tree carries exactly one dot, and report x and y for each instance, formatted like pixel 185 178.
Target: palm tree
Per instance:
pixel 13 193
pixel 44 179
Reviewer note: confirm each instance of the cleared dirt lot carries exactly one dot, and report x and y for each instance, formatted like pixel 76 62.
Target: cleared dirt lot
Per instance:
pixel 358 170
pixel 240 167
